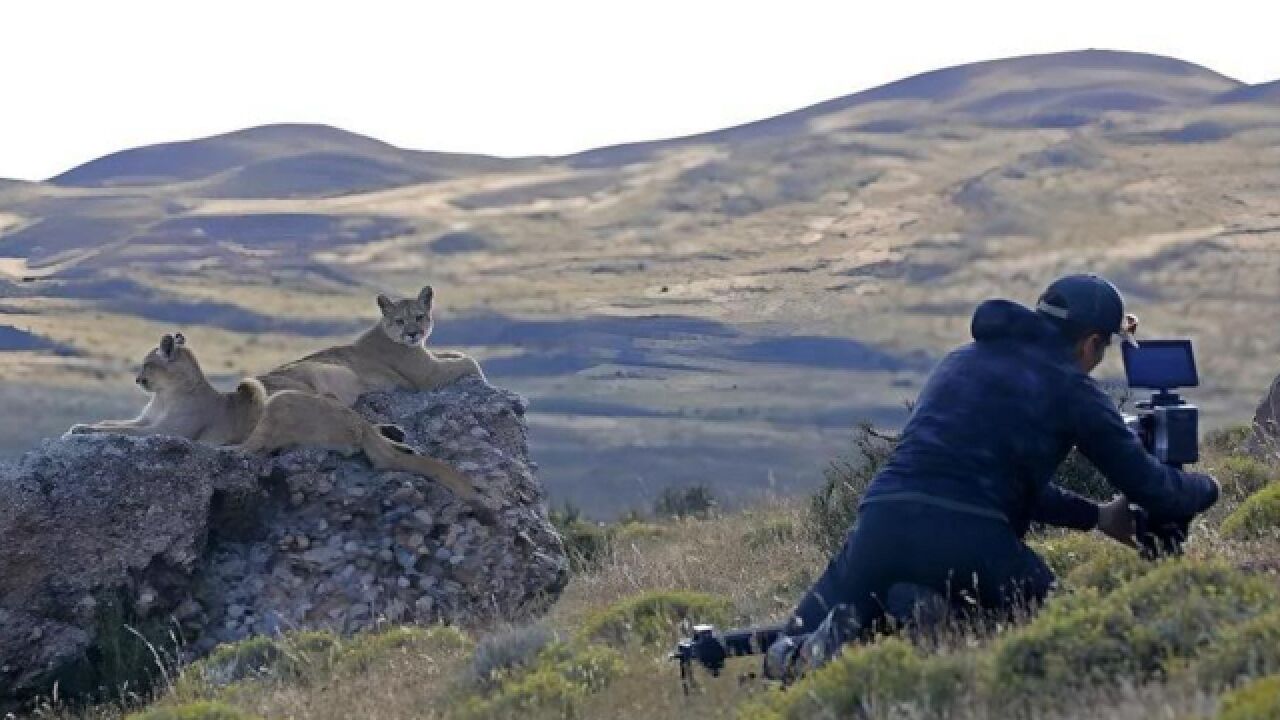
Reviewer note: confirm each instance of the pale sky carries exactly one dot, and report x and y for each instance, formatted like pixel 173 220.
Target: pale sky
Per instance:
pixel 82 79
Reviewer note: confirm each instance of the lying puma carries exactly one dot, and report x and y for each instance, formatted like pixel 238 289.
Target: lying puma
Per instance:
pixel 387 356
pixel 184 404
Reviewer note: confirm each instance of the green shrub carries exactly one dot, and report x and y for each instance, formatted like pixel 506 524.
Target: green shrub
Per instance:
pixel 1111 568
pixel 695 501
pixel 654 617
pixel 1241 476
pixel 1065 552
pixel 540 692
pixel 593 666
pixel 292 656
pixel 1257 516
pixel 1252 648
pixel 1074 643
pixel 367 651
pixel 194 711
pixel 554 684
pixel 504 652
pixel 1228 440
pixel 1136 632
pixel 1257 700
pixel 868 680
pixel 776 531
pixel 632 530
pixel 834 507
pixel 231 663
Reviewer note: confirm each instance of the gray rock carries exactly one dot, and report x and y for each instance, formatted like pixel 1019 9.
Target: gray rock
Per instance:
pixel 233 544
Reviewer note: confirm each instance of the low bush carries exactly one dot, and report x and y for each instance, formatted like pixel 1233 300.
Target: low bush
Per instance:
pixel 553 685
pixel 1258 516
pixel 774 531
pixel 654 617
pixel 1241 476
pixel 367 651
pixel 501 653
pixel 194 711
pixel 253 658
pixel 870 680
pixel 1136 632
pixel 1065 552
pixel 1256 700
pixel 834 507
pixel 695 501
pixel 1251 648
pixel 1231 440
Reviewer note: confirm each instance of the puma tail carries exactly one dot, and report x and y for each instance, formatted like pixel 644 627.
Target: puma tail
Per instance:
pixel 387 454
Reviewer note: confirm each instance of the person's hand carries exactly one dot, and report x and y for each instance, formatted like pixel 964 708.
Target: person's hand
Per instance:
pixel 1116 521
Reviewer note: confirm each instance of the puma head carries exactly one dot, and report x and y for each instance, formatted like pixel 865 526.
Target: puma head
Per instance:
pixel 408 322
pixel 170 364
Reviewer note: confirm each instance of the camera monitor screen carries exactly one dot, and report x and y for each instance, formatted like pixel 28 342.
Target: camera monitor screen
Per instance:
pixel 1161 365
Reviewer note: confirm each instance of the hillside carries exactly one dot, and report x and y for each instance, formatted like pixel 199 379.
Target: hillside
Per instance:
pixel 713 309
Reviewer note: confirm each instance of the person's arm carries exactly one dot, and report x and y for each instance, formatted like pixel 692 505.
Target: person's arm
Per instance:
pixel 1061 507
pixel 1107 442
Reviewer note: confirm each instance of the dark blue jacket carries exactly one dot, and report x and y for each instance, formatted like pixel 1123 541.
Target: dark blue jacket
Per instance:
pixel 998 415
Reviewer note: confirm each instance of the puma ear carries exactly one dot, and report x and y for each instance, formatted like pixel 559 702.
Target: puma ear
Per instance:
pixel 166 347
pixel 179 339
pixel 385 304
pixel 426 296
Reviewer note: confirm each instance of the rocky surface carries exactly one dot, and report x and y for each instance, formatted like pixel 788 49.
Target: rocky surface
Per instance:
pixel 223 545
pixel 1266 432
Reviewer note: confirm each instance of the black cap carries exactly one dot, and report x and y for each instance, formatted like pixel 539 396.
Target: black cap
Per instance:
pixel 1085 303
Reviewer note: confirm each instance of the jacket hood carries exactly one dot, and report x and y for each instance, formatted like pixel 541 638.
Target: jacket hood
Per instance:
pixel 1008 320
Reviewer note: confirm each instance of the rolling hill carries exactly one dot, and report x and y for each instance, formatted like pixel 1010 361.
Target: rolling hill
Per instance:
pixel 718 308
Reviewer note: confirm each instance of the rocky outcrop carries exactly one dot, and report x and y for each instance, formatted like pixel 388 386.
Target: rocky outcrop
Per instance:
pixel 1265 439
pixel 219 545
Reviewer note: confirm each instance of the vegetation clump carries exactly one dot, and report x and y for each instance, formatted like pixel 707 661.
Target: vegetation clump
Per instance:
pixel 834 506
pixel 1085 640
pixel 194 711
pixel 1241 476
pixel 501 653
pixel 1249 649
pixel 870 680
pixel 554 684
pixel 695 501
pixel 769 532
pixel 654 617
pixel 1256 700
pixel 1258 516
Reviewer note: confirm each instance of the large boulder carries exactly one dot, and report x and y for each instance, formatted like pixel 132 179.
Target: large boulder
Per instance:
pixel 211 544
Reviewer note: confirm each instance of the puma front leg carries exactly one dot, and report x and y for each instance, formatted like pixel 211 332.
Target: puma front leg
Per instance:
pixel 121 427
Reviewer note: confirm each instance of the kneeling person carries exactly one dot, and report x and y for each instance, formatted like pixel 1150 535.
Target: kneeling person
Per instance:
pixel 973 468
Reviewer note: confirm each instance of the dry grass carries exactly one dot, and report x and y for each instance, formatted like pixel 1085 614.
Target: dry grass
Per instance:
pixel 712 556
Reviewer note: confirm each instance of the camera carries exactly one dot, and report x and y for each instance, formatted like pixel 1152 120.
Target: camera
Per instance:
pixel 1167 426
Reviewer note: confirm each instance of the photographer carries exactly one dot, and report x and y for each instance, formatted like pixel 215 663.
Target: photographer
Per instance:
pixel 949 510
